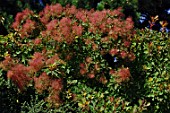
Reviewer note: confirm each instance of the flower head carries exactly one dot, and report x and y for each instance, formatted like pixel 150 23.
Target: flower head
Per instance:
pixel 18 74
pixel 42 82
pixel 123 74
pixel 38 61
pixel 113 51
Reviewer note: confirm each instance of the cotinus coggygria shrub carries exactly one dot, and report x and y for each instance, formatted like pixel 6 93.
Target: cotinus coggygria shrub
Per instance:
pixel 62 49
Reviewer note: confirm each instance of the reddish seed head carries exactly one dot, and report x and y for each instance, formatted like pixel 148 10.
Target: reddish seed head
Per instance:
pixel 18 74
pixel 81 15
pixel 72 10
pixel 103 80
pixel 52 25
pixel 45 19
pixel 57 84
pixel 10 74
pixel 113 52
pixel 16 25
pixel 88 59
pixel 82 65
pixel 124 74
pixel 37 41
pixel 127 43
pixel 52 60
pixel 131 56
pixel 77 30
pixel 83 71
pixel 19 17
pixel 123 54
pixel 56 9
pixel 91 75
pixel 112 72
pixel 129 23
pixel 8 63
pixel 38 61
pixel 42 82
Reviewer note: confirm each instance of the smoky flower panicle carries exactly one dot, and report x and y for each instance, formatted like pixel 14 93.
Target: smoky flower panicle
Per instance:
pixel 42 82
pixel 38 61
pixel 18 74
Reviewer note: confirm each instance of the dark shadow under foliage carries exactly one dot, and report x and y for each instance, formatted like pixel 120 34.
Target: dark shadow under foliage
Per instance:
pixel 11 98
pixel 3 30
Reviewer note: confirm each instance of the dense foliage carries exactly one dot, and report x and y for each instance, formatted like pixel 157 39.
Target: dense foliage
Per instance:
pixel 152 57
pixel 9 8
pixel 64 59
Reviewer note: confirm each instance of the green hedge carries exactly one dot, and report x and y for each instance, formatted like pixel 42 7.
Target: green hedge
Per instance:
pixel 153 67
